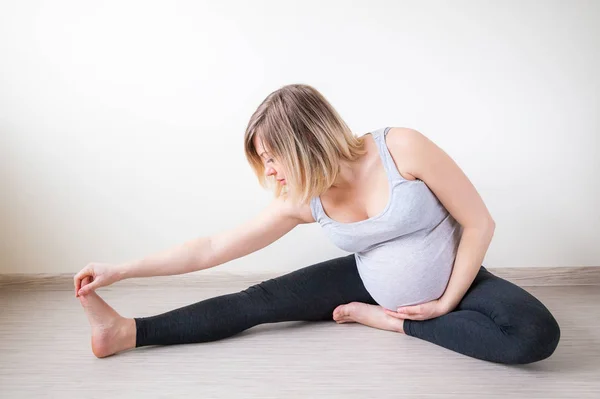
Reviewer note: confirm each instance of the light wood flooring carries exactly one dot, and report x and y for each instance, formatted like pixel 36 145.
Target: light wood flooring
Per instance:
pixel 45 352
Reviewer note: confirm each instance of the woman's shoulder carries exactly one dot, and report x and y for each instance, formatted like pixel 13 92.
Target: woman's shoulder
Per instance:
pixel 302 212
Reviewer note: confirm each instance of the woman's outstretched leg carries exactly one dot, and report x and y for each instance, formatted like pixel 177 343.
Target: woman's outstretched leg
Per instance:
pixel 309 294
pixel 496 321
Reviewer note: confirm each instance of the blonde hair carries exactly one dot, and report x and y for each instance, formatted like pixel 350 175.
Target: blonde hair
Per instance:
pixel 306 135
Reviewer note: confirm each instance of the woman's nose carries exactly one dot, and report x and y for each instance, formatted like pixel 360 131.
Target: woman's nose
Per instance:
pixel 270 171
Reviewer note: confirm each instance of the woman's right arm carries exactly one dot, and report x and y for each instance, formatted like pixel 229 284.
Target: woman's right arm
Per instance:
pixel 272 223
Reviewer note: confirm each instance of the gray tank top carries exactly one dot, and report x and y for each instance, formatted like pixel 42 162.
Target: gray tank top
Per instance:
pixel 405 254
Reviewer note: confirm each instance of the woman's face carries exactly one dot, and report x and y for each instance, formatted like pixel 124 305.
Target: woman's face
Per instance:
pixel 272 168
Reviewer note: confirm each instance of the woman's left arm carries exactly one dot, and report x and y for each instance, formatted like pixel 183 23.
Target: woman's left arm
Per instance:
pixel 423 159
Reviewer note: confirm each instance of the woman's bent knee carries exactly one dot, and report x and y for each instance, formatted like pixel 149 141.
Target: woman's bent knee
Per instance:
pixel 537 341
pixel 548 337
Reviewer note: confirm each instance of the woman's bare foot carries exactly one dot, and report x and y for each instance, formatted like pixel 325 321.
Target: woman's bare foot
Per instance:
pixel 111 333
pixel 369 315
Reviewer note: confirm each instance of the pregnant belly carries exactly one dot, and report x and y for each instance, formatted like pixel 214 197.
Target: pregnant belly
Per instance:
pixel 405 284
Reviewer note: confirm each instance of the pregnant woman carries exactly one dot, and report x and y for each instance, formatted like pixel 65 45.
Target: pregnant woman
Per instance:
pixel 416 228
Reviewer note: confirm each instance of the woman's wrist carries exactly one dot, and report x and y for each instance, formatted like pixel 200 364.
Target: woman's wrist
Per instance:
pixel 446 305
pixel 123 271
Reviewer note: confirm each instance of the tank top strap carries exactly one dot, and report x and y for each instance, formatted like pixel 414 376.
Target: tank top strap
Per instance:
pixel 386 156
pixel 316 206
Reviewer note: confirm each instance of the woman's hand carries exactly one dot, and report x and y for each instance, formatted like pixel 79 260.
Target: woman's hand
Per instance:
pixel 423 311
pixel 98 275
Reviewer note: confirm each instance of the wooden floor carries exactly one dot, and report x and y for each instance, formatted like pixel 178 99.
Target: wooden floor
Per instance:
pixel 45 352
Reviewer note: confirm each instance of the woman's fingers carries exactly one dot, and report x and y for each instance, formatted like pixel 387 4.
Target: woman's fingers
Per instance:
pixel 404 316
pixel 393 314
pixel 79 277
pixel 85 283
pixel 94 276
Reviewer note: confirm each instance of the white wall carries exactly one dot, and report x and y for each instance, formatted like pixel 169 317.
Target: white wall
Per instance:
pixel 121 122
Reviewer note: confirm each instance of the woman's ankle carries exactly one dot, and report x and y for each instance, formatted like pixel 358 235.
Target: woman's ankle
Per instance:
pixel 127 334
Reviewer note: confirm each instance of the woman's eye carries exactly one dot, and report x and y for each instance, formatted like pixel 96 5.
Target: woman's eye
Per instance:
pixel 269 160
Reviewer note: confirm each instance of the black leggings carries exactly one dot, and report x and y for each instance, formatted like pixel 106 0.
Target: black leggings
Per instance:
pixel 495 321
